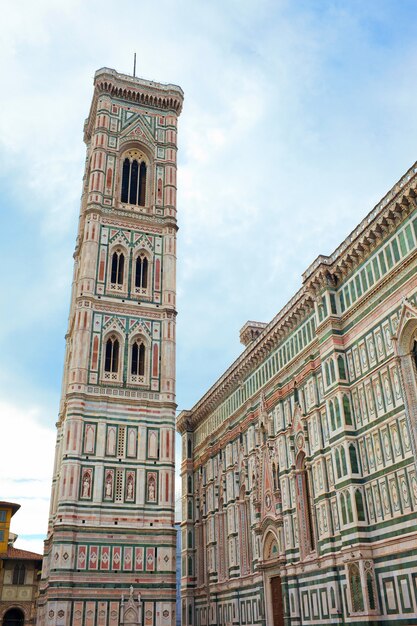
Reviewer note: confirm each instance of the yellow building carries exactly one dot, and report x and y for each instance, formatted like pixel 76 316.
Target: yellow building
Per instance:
pixel 19 574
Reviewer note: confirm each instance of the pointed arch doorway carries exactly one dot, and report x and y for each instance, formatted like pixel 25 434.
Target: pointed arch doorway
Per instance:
pixel 274 601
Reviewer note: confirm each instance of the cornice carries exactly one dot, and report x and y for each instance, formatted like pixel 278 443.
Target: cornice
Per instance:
pixel 373 229
pixel 325 271
pixel 148 93
pixel 294 312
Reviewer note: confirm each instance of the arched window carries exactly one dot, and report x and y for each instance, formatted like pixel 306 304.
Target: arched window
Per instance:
pixel 332 598
pixel 189 449
pixel 346 410
pixel 19 573
pixel 359 506
pixel 341 367
pixel 332 372
pixel 337 411
pixel 331 407
pixel 343 460
pixel 111 357
pixel 137 363
pixel 338 467
pixel 117 267
pixel 142 184
pixel 190 540
pixel 190 566
pixel 327 373
pixel 189 484
pixel 355 588
pixel 349 507
pixel 371 590
pixel 343 507
pixel 141 272
pixel 304 506
pixel 133 188
pixel 353 459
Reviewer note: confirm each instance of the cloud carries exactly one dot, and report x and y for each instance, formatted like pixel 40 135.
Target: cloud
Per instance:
pixel 26 465
pixel 297 118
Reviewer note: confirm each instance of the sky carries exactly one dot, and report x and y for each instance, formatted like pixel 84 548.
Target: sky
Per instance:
pixel 298 117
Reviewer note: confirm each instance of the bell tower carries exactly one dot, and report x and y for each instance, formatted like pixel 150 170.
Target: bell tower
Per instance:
pixel 111 523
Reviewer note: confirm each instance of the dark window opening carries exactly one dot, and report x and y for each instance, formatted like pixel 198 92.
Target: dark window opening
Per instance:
pixel 133 182
pixel 111 361
pixel 414 354
pixel 138 359
pixel 19 573
pixel 125 180
pixel 141 275
pixel 117 268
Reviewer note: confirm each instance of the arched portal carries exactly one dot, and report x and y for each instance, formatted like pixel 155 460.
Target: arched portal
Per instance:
pixel 274 602
pixel 14 617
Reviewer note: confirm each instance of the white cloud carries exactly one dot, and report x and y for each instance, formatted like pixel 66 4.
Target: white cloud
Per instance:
pixel 26 464
pixel 297 118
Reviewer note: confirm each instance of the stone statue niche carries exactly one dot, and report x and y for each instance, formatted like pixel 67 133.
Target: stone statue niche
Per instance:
pixel 130 610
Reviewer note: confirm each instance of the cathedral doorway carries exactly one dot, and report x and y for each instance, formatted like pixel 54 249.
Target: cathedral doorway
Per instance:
pixel 276 598
pixel 274 603
pixel 13 617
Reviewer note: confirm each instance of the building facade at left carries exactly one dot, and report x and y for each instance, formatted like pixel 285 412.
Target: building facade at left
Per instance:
pixel 19 574
pixel 110 550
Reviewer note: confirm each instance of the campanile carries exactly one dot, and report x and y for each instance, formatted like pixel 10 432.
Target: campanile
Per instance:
pixel 110 550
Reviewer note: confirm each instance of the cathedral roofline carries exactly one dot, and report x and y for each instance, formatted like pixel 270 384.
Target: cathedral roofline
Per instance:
pixel 325 270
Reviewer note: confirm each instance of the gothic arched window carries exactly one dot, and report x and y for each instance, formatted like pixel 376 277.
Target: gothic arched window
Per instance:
pixel 337 411
pixel 356 588
pixel 343 460
pixel 19 573
pixel 359 506
pixel 117 267
pixel 341 367
pixel 137 366
pixel 133 182
pixel 111 357
pixel 353 459
pixel 141 272
pixel 347 410
pixel 304 505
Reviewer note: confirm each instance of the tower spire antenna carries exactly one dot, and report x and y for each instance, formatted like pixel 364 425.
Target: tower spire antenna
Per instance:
pixel 134 64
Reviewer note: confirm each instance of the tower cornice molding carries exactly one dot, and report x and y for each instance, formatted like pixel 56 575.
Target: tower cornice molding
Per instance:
pixel 150 219
pixel 146 93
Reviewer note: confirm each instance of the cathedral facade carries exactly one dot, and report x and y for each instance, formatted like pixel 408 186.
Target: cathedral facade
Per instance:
pixel 299 486
pixel 110 553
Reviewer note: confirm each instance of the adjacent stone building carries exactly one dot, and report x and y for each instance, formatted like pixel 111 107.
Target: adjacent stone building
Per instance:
pixel 299 464
pixel 19 574
pixel 110 553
